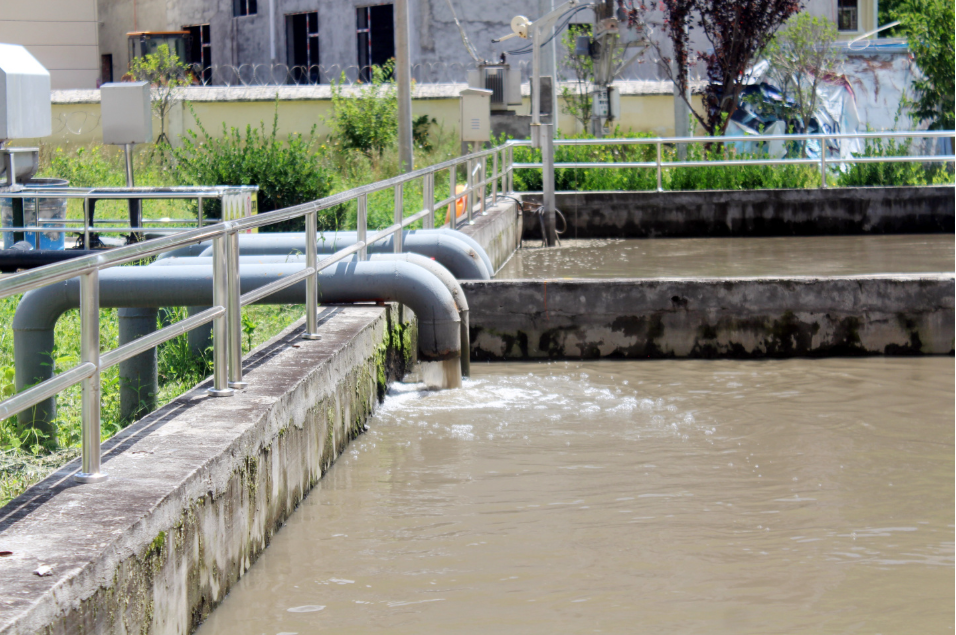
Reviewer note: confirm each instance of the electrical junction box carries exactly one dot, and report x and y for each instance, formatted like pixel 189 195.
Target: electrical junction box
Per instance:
pixel 125 113
pixel 25 110
pixel 475 114
pixel 503 82
pixel 599 103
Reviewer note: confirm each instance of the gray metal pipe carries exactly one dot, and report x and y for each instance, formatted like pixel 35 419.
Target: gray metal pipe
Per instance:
pixel 445 276
pixel 154 287
pixel 139 379
pixel 460 254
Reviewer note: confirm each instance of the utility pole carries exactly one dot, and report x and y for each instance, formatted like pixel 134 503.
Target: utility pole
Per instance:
pixel 403 73
pixel 681 110
pixel 542 135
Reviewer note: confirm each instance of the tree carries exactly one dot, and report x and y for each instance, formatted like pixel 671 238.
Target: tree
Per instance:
pixel 928 26
pixel 737 32
pixel 167 75
pixel 577 100
pixel 800 56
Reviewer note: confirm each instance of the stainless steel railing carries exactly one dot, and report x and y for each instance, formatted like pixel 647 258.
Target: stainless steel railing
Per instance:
pixel 237 201
pixel 227 301
pixel 659 142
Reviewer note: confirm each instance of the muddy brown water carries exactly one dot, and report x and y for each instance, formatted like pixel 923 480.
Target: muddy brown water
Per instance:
pixel 730 257
pixel 794 496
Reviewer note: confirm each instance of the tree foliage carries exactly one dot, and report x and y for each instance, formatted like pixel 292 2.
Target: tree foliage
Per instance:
pixel 801 55
pixel 928 26
pixel 577 100
pixel 167 75
pixel 736 31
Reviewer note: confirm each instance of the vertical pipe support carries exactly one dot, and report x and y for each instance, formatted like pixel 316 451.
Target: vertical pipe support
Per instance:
pixel 220 326
pixel 660 187
pixel 361 222
pixel 90 353
pixel 428 192
pixel 311 283
pixel 398 217
pixel 233 311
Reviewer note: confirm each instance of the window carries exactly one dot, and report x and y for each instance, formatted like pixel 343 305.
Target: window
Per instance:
pixel 106 68
pixel 243 7
pixel 200 52
pixel 302 44
pixel 848 15
pixel 376 38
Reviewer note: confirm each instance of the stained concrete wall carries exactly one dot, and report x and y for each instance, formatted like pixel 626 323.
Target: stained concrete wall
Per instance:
pixel 849 210
pixel 709 318
pixel 196 490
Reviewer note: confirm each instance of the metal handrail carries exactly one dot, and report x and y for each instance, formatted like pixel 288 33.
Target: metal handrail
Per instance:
pixel 225 312
pixel 659 164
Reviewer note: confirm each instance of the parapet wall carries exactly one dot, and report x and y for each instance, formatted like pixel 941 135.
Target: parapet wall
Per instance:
pixel 499 231
pixel 833 211
pixel 197 489
pixel 710 318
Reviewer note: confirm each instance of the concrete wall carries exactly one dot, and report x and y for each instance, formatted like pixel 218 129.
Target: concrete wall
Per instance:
pixel 498 231
pixel 196 490
pixel 709 318
pixel 76 114
pixel 61 34
pixel 852 210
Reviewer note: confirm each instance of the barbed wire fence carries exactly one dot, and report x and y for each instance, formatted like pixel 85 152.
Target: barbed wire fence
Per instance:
pixel 424 73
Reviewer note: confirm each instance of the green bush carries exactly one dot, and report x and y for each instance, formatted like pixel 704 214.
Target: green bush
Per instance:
pixel 365 117
pixel 745 177
pixel 287 173
pixel 899 173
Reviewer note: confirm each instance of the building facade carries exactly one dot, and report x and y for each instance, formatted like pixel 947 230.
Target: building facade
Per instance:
pixel 61 34
pixel 314 41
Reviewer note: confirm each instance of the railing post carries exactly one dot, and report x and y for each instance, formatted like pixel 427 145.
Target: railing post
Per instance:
pixel 90 396
pixel 494 174
pixel 547 185
pixel 511 169
pixel 199 220
pixel 220 326
pixel 469 190
pixel 823 161
pixel 399 215
pixel 660 187
pixel 452 191
pixel 483 183
pixel 361 222
pixel 234 311
pixel 311 283
pixel 428 192
pixel 86 223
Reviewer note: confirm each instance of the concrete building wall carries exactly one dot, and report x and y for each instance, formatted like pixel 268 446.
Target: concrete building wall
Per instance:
pixel 61 34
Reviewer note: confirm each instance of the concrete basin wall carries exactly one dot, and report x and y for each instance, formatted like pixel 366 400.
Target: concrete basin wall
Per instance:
pixel 197 489
pixel 499 231
pixel 849 210
pixel 711 318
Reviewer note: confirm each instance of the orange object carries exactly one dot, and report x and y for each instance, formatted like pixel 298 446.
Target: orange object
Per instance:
pixel 459 204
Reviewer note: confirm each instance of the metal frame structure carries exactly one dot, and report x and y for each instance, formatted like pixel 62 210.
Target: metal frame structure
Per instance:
pixel 227 301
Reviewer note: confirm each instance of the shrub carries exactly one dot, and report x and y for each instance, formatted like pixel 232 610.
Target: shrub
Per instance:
pixel 367 118
pixel 287 173
pixel 900 173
